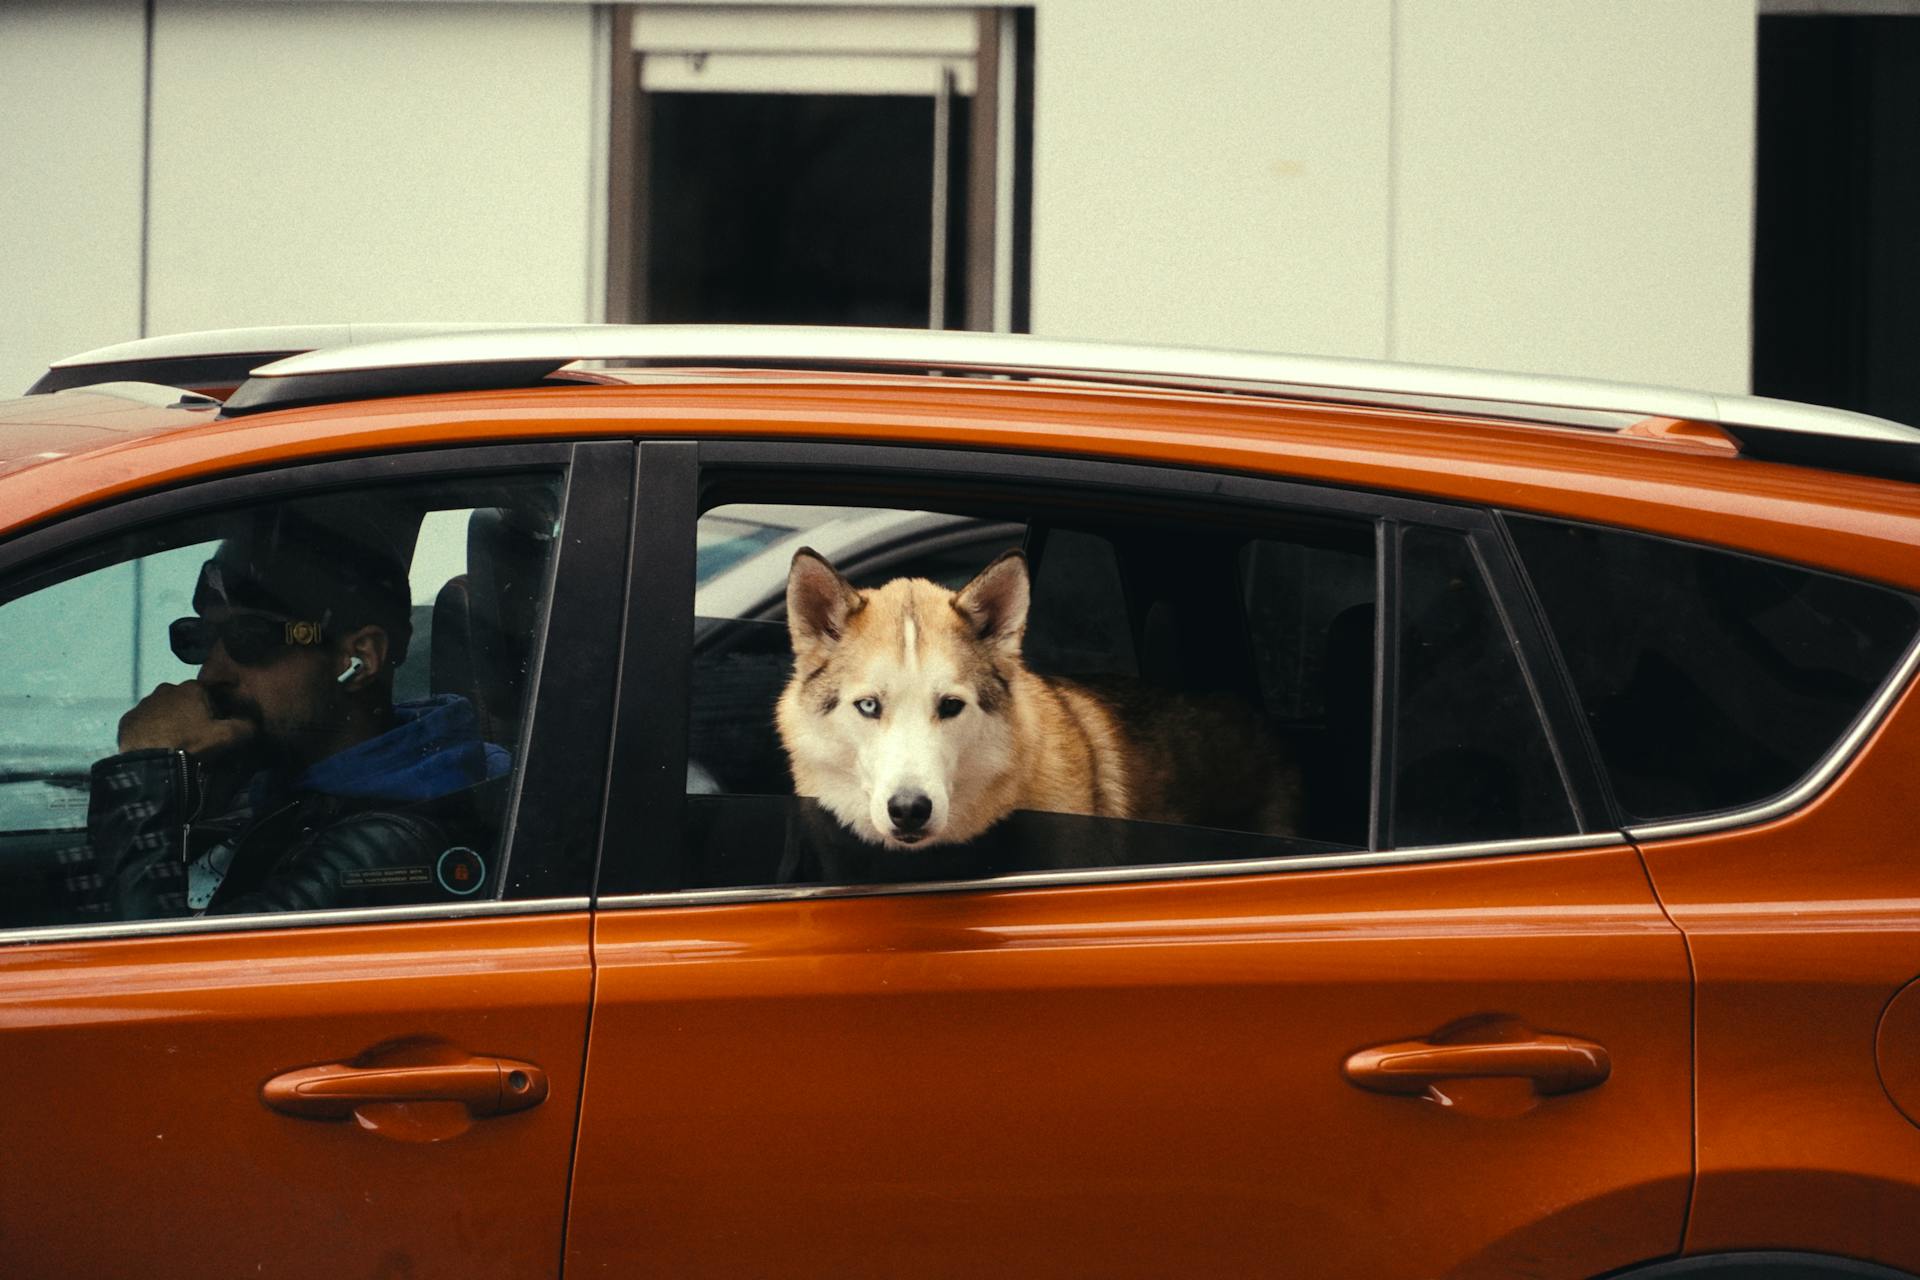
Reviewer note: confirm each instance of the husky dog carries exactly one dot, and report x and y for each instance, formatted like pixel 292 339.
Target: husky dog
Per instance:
pixel 912 719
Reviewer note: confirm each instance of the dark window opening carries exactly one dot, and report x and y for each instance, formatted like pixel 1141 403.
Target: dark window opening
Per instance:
pixel 823 186
pixel 798 209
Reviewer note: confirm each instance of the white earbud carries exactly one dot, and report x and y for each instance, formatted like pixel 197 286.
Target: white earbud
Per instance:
pixel 353 669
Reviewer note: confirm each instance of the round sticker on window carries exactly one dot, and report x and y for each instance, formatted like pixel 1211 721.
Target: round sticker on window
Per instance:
pixel 460 870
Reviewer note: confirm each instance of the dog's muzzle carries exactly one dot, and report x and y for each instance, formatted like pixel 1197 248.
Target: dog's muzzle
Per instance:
pixel 909 811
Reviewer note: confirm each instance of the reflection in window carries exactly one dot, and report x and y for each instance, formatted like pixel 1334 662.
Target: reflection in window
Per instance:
pixel 726 542
pixel 104 636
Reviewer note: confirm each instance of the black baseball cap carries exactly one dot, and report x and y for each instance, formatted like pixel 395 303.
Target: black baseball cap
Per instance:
pixel 300 565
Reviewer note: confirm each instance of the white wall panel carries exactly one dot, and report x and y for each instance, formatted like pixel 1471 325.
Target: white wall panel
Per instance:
pixel 1212 173
pixel 361 161
pixel 1573 187
pixel 71 106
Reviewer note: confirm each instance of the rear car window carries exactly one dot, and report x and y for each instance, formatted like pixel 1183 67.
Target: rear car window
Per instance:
pixel 1711 680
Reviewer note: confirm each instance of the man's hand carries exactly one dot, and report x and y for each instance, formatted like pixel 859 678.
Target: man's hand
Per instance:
pixel 179 717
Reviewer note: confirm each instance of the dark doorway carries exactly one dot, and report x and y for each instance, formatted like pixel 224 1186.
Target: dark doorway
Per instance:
pixel 1836 288
pixel 782 208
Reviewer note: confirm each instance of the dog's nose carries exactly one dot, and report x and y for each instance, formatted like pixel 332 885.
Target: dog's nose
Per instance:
pixel 909 810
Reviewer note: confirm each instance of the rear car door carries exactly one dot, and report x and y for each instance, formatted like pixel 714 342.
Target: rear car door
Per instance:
pixel 1757 722
pixel 381 1090
pixel 1441 1029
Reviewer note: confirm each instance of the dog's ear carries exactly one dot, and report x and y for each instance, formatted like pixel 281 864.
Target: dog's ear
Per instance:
pixel 819 601
pixel 995 602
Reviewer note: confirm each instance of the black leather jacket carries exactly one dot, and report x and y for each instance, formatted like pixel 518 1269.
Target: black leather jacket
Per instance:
pixel 308 852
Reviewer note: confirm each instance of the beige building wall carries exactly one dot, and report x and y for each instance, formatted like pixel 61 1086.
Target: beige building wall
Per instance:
pixel 1538 185
pixel 1573 187
pixel 1213 174
pixel 1550 185
pixel 322 162
pixel 71 111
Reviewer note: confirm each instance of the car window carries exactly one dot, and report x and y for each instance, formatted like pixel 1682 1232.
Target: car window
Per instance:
pixel 1217 676
pixel 1710 680
pixel 313 704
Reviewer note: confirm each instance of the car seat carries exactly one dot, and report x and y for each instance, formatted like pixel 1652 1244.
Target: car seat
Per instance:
pixel 483 620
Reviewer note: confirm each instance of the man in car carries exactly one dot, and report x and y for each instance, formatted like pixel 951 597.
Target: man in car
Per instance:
pixel 284 777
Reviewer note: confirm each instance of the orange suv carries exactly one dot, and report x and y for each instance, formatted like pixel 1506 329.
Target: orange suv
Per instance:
pixel 401 871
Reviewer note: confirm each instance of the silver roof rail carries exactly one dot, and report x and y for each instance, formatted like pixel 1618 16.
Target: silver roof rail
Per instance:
pixel 221 356
pixel 519 357
pixel 279 337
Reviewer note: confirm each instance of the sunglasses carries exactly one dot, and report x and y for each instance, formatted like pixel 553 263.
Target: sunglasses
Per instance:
pixel 249 638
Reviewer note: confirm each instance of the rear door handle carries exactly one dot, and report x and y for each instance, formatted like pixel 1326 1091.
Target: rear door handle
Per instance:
pixel 413 1091
pixel 1553 1063
pixel 334 1091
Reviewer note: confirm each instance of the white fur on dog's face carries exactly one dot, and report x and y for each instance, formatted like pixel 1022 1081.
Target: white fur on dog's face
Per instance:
pixel 896 719
pixel 907 725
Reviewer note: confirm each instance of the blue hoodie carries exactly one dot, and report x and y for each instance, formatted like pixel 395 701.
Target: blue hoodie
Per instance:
pixel 433 749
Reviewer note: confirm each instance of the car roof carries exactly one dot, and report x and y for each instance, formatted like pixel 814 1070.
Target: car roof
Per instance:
pixel 1676 475
pixel 38 429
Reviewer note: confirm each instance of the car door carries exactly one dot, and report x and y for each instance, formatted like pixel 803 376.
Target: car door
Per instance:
pixel 1757 720
pixel 1459 1046
pixel 383 1091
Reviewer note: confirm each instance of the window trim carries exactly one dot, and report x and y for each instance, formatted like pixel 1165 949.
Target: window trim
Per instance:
pixel 582 620
pixel 646 775
pixel 1172 871
pixel 187 925
pixel 1574 751
pixel 29 559
pixel 1386 681
pixel 656 693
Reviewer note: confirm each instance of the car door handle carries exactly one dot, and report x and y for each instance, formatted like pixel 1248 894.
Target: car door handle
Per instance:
pixel 336 1090
pixel 1554 1063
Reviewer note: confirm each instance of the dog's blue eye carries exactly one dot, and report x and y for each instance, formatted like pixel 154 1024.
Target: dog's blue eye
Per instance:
pixel 951 707
pixel 868 707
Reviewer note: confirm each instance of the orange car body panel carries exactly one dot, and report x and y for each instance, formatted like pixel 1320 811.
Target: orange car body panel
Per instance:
pixel 1138 1079
pixel 138 1063
pixel 1803 931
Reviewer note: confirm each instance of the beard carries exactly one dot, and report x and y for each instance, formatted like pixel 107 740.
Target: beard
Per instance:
pixel 228 705
pixel 271 747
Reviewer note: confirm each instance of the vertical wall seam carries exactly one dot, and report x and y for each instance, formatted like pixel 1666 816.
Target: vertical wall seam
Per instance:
pixel 600 98
pixel 1392 344
pixel 1006 110
pixel 146 168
